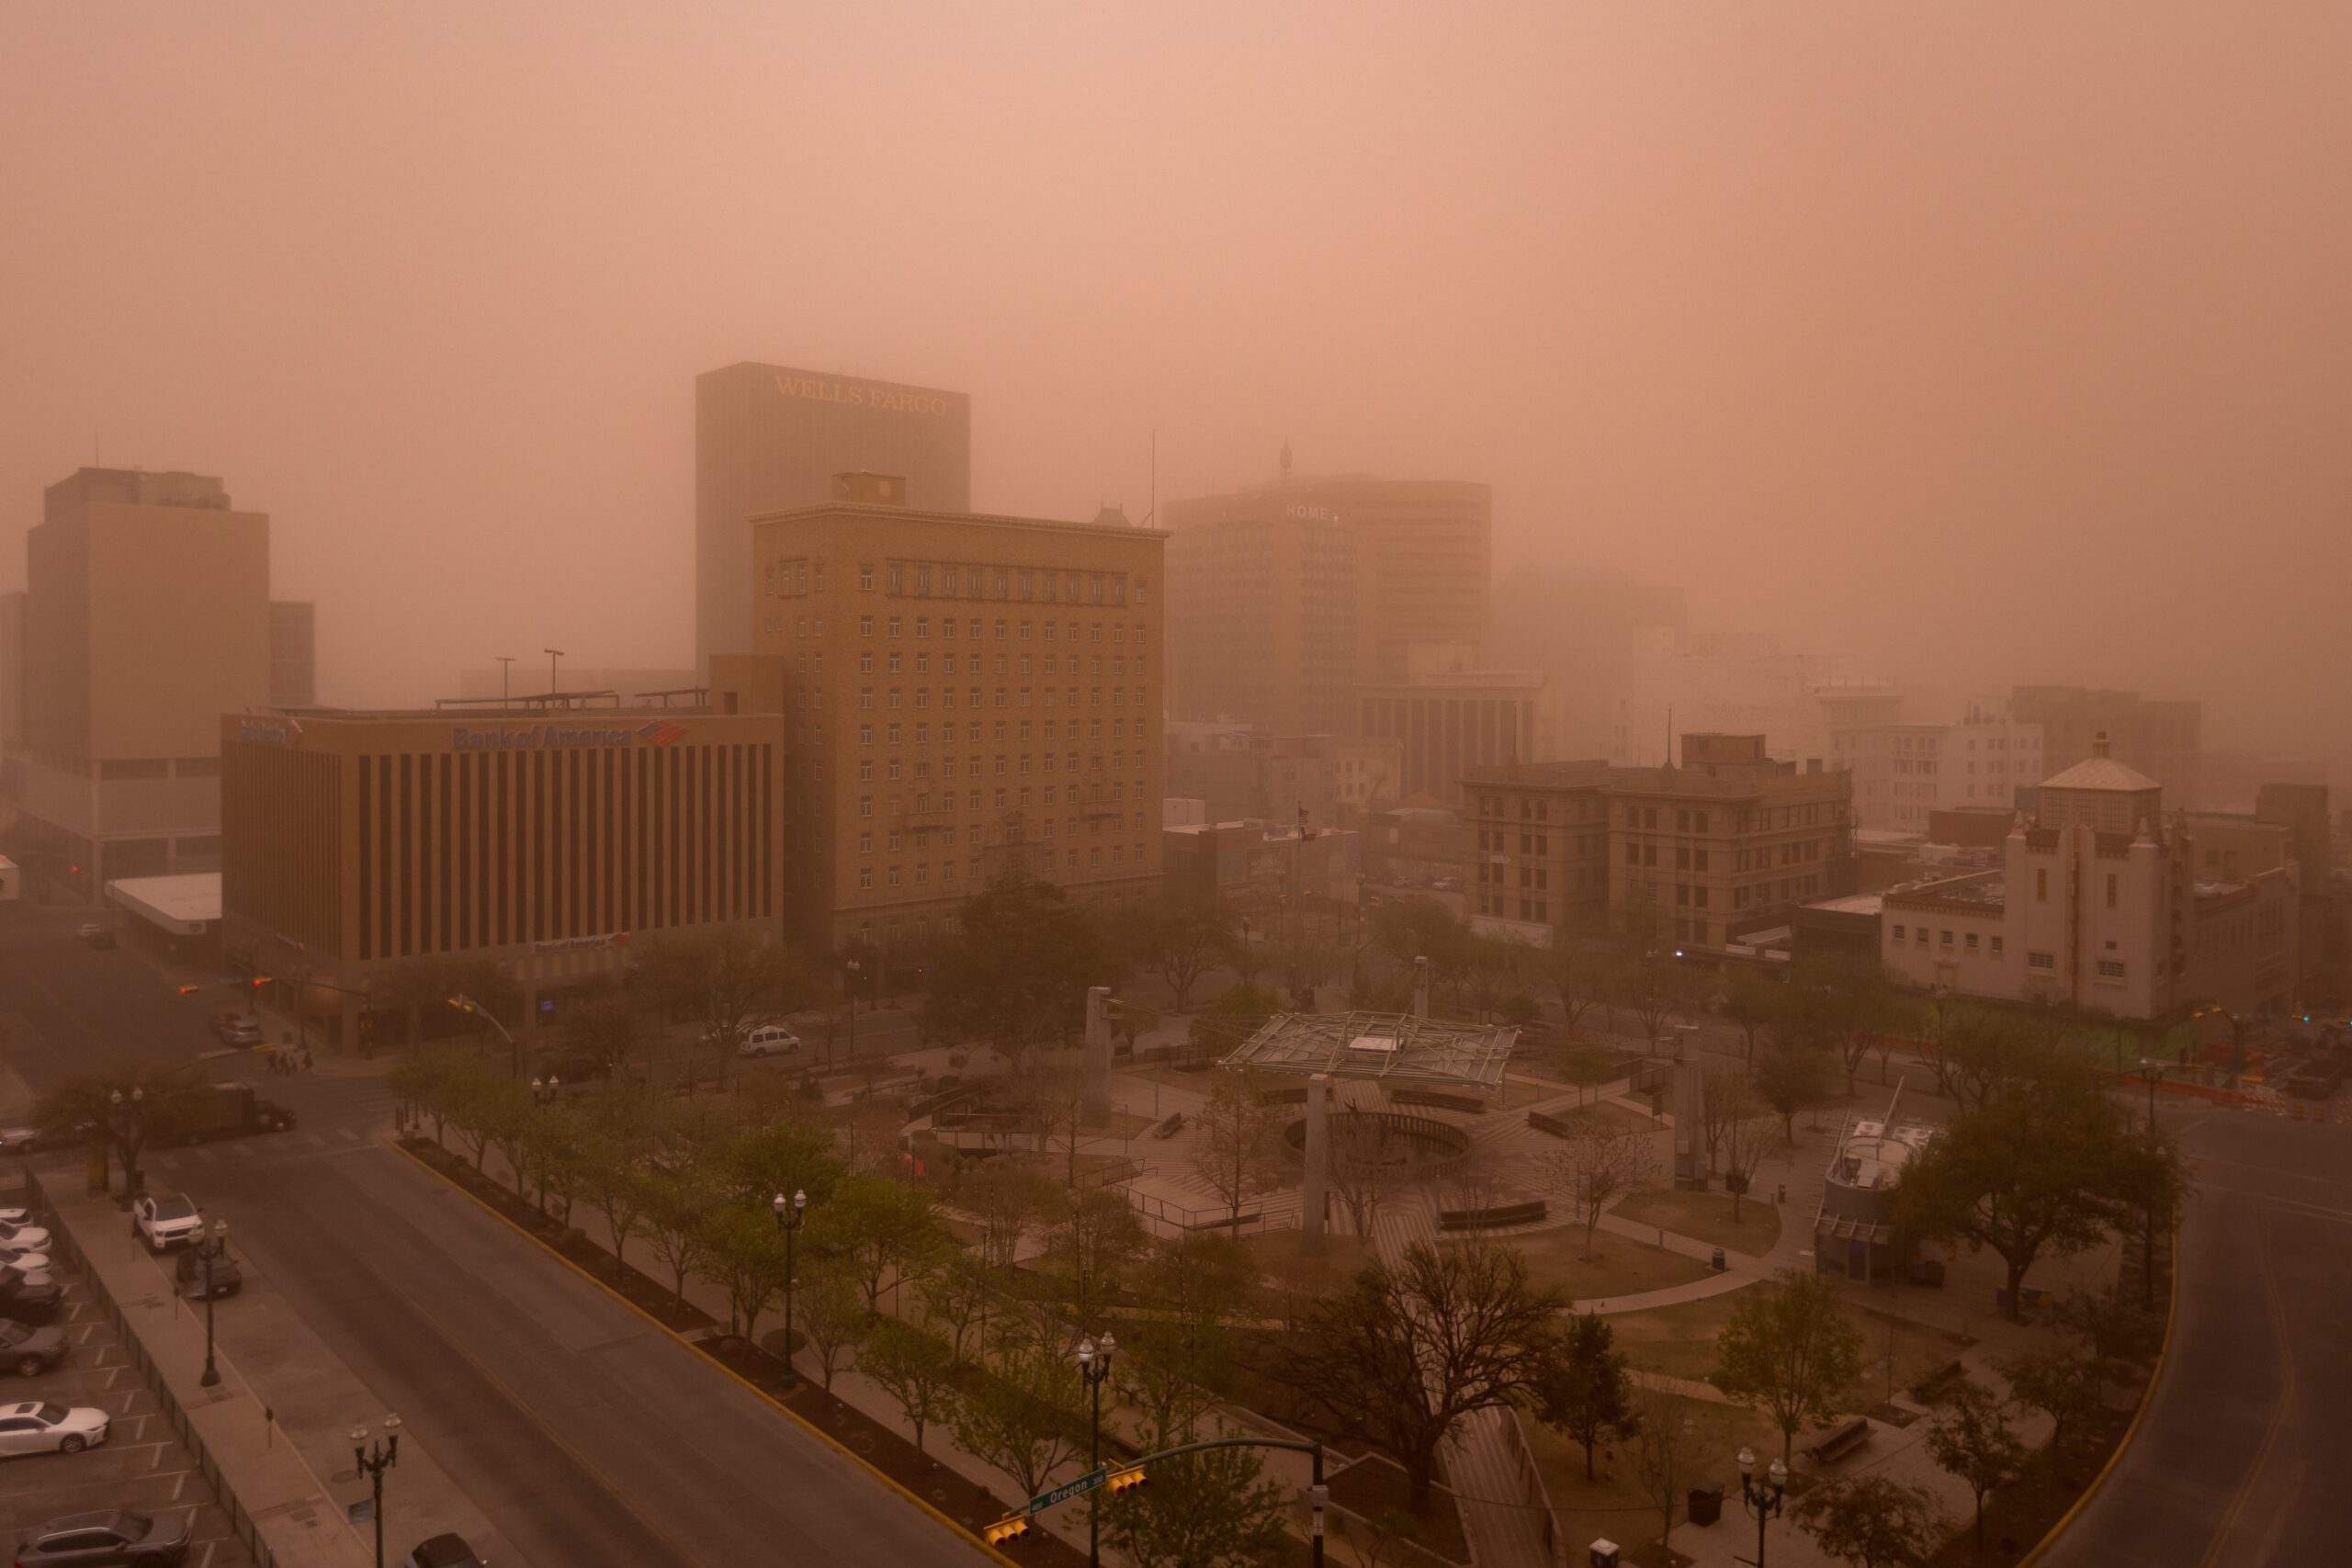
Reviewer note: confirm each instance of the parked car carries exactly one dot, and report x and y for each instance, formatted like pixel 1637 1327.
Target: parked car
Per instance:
pixel 31 1351
pixel 226 1278
pixel 29 1298
pixel 26 1140
pixel 443 1552
pixel 18 1236
pixel 165 1221
pixel 15 1216
pixel 115 1537
pixel 236 1027
pixel 38 1426
pixel 27 1262
pixel 97 933
pixel 769 1040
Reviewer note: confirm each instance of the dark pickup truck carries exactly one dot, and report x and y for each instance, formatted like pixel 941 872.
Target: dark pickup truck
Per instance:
pixel 228 1110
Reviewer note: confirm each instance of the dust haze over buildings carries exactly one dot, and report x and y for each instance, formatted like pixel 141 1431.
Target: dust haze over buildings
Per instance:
pixel 1965 348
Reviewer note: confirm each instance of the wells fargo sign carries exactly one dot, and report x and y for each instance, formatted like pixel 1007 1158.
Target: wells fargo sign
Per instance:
pixel 858 394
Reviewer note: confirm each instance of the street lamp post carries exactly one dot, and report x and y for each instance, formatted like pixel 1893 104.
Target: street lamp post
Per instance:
pixel 789 1216
pixel 1094 1365
pixel 1763 1498
pixel 372 1460
pixel 465 1003
pixel 2152 1070
pixel 216 1246
pixel 543 1091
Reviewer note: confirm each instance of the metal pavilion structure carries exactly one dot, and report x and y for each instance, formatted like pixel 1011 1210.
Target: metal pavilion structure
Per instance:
pixel 1392 1047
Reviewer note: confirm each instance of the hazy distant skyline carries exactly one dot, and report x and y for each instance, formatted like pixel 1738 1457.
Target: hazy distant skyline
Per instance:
pixel 1984 344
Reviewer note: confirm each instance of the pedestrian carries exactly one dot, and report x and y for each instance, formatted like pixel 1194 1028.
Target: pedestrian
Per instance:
pixel 306 1058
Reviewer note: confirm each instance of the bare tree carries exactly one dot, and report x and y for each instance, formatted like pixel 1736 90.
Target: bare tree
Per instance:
pixel 1236 1147
pixel 1729 1098
pixel 1595 1164
pixel 1010 1203
pixel 1665 1453
pixel 1367 1166
pixel 1745 1142
pixel 1052 1085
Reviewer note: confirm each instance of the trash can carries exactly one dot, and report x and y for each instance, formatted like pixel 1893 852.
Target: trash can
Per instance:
pixel 1604 1554
pixel 1706 1504
pixel 1719 1263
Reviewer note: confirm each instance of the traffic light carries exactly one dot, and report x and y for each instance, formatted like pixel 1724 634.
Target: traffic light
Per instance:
pixel 1121 1480
pixel 261 980
pixel 190 990
pixel 1011 1528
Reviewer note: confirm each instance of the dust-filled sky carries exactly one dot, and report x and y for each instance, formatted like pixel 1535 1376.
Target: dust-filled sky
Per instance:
pixel 1980 342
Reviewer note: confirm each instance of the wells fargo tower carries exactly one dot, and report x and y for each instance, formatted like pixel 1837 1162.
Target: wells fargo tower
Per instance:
pixel 767 437
pixel 964 694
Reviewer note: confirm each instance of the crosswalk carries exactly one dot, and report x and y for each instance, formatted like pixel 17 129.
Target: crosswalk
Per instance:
pixel 262 1148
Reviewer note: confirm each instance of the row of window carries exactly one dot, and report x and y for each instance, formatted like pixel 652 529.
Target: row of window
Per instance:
pixel 1013 833
pixel 895 876
pixel 924 578
pixel 894 663
pixel 892 768
pixel 946 800
pixel 895 698
pixel 1919 935
pixel 895 626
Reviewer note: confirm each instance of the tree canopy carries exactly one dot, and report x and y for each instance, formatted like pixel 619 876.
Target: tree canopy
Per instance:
pixel 1016 973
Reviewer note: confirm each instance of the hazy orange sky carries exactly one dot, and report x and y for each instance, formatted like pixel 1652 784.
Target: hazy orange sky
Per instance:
pixel 1982 342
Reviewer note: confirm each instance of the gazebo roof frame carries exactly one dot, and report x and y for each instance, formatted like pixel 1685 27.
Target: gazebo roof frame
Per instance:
pixel 1427 1051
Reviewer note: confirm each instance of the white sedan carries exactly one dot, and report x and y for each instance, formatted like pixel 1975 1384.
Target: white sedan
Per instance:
pixel 36 1426
pixel 18 1236
pixel 25 1262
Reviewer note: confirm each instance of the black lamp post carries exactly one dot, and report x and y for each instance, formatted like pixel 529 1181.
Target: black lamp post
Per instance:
pixel 218 1247
pixel 789 1216
pixel 1094 1366
pixel 372 1460
pixel 543 1091
pixel 1763 1498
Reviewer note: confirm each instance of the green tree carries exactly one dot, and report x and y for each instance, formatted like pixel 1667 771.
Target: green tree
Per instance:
pixel 1182 942
pixel 2057 1379
pixel 743 1246
pixel 2051 1165
pixel 1089 1249
pixel 1849 1004
pixel 424 1079
pixel 1582 1389
pixel 1871 1522
pixel 1022 1412
pixel 1214 1509
pixel 1791 1074
pixel 831 1314
pixel 1585 1065
pixel 1231 1017
pixel 914 1367
pixel 789 1153
pixel 555 1147
pixel 1017 971
pixel 1787 1350
pixel 609 1028
pixel 882 1230
pixel 674 1203
pixel 956 1294
pixel 1972 1438
pixel 1010 1202
pixel 1404 1353
pixel 130 1109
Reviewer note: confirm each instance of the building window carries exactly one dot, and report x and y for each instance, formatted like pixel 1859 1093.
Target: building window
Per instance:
pixel 2042 961
pixel 865 873
pixel 1996 947
pixel 1943 939
pixel 865 577
pixel 1898 934
pixel 866 805
pixel 2110 890
pixel 1968 943
pixel 2110 969
pixel 866 842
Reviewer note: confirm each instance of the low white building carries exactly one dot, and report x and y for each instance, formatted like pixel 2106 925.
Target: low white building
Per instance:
pixel 1905 773
pixel 2097 906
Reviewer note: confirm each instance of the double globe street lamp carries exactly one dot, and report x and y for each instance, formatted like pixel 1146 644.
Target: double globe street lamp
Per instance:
pixel 372 1460
pixel 789 1216
pixel 216 1246
pixel 1762 1498
pixel 1094 1365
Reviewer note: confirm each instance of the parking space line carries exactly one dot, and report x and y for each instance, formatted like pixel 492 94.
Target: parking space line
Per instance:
pixel 206 1560
pixel 114 1375
pixel 179 1485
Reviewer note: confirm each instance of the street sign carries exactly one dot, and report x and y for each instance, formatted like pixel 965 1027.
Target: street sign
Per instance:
pixel 1068 1490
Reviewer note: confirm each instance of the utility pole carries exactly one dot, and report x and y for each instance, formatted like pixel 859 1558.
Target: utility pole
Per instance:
pixel 553 654
pixel 505 679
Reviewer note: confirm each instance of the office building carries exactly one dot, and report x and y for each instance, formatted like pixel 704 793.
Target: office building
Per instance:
pixel 146 614
pixel 1238 773
pixel 12 676
pixel 2103 903
pixel 1340 577
pixel 1810 708
pixel 1708 853
pixel 2160 738
pixel 1447 722
pixel 1905 775
pixel 546 843
pixel 293 653
pixel 768 439
pixel 967 694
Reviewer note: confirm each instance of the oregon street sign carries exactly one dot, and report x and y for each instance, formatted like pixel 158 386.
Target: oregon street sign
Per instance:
pixel 1068 1490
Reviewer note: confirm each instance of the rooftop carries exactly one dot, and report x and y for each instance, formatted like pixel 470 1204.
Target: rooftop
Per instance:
pixel 2102 773
pixel 1379 1045
pixel 1852 904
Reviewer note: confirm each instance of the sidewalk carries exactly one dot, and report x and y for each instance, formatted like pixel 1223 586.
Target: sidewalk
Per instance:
pixel 280 1418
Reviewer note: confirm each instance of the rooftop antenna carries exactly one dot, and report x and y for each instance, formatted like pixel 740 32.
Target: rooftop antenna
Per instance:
pixel 1669 737
pixel 506 674
pixel 553 654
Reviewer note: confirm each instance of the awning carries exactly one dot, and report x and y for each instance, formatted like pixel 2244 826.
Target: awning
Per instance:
pixel 182 906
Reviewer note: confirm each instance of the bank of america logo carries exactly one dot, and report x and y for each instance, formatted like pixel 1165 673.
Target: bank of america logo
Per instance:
pixel 662 732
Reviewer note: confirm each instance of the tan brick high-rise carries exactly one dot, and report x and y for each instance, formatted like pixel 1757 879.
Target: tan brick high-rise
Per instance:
pixel 964 693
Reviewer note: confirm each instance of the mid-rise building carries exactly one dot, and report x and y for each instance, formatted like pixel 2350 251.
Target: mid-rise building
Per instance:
pixel 1905 775
pixel 1726 844
pixel 1238 773
pixel 768 439
pixel 2160 738
pixel 356 843
pixel 965 694
pixel 1743 682
pixel 1446 723
pixel 2101 903
pixel 1285 596
pixel 293 653
pixel 146 614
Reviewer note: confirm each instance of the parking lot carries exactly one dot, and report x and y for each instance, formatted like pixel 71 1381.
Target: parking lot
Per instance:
pixel 142 1466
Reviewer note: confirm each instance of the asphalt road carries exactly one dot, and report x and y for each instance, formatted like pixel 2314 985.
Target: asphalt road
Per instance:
pixel 2242 1456
pixel 587 1433
pixel 90 1007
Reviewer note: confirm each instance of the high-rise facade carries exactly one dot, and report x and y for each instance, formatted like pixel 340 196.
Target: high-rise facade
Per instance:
pixel 768 439
pixel 1341 577
pixel 2160 738
pixel 146 614
pixel 964 695
pixel 293 653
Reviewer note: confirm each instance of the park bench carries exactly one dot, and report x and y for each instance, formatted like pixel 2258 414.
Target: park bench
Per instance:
pixel 1839 1441
pixel 1170 1127
pixel 1468 1104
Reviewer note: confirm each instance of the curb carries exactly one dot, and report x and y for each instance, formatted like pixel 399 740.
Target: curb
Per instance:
pixel 764 1396
pixel 2123 1444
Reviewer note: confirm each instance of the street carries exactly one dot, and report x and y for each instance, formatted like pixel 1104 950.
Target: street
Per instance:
pixel 2241 1457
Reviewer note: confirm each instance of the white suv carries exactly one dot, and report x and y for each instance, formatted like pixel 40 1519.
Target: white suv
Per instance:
pixel 165 1222
pixel 769 1040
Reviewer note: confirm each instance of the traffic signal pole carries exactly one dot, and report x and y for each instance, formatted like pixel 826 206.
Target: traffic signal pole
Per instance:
pixel 1013 1526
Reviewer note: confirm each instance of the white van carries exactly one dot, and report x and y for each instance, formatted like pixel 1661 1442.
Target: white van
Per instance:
pixel 769 1040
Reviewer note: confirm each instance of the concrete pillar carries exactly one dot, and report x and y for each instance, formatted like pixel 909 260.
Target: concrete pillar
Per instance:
pixel 1690 1170
pixel 1098 1054
pixel 1318 1158
pixel 1420 988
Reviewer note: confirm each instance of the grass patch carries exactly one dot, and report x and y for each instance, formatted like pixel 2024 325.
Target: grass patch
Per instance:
pixel 1620 1266
pixel 1680 1341
pixel 1706 1216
